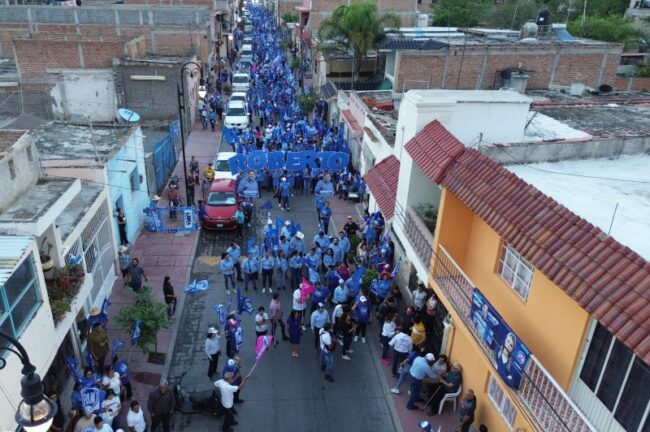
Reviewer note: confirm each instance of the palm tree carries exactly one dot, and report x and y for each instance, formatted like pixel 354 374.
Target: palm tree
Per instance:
pixel 357 27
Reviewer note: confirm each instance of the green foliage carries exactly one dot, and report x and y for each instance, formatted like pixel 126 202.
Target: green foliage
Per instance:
pixel 511 14
pixel 227 89
pixel 151 312
pixel 643 72
pixel 354 244
pixel 290 17
pixel 295 63
pixel 307 102
pixel 610 29
pixel 368 277
pixel 357 27
pixel 59 309
pixel 459 13
pixel 603 8
pixel 284 43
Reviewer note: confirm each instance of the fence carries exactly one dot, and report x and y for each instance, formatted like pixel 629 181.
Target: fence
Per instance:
pixel 164 156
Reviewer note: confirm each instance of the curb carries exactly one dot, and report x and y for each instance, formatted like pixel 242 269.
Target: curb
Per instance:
pixel 179 311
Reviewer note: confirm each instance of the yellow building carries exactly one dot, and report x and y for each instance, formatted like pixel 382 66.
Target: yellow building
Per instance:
pixel 574 296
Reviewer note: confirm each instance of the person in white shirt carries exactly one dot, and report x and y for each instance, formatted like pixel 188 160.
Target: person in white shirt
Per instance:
pixel 111 380
pixel 111 407
pixel 402 344
pixel 212 347
pixel 261 322
pixel 419 296
pixel 227 391
pixel 387 333
pixel 299 304
pixel 100 426
pixel 326 348
pixel 135 418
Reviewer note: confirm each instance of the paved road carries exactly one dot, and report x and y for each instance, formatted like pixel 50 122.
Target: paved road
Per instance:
pixel 284 393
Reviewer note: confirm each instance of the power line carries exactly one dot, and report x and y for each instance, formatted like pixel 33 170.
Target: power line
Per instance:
pixel 530 166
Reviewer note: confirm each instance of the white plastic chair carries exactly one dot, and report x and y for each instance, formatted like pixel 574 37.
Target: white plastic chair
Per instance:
pixel 450 397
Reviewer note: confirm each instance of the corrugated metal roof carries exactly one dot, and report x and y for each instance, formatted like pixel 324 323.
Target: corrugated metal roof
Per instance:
pixel 12 249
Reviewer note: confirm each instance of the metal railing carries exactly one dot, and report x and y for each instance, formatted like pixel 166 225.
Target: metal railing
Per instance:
pixel 416 232
pixel 548 404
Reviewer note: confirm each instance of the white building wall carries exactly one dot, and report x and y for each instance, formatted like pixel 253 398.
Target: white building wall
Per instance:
pixel 81 93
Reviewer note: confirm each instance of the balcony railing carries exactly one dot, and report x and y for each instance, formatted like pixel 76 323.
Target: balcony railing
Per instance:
pixel 546 401
pixel 416 231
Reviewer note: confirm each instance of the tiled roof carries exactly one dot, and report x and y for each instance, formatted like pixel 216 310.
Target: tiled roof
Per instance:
pixel 607 279
pixel 434 149
pixel 411 44
pixel 382 181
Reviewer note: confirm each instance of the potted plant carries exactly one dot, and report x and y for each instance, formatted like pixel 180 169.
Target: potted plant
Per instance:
pixel 429 214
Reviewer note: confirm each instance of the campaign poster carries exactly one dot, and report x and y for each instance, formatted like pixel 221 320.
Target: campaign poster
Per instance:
pixel 510 353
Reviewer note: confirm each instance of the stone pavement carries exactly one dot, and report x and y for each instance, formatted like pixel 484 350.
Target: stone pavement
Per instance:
pixel 160 254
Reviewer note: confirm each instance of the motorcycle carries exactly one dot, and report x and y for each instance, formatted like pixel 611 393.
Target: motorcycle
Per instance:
pixel 207 402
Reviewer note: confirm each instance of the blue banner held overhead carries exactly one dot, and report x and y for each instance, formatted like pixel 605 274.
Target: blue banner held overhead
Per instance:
pixel 136 333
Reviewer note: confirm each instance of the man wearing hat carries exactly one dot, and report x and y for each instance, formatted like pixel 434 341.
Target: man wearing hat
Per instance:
pixel 297 243
pixel 286 230
pixel 420 368
pixel 285 190
pixel 318 319
pixel 327 346
pixel 228 390
pixel 233 366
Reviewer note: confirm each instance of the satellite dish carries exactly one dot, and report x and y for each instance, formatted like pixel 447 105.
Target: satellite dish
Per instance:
pixel 128 115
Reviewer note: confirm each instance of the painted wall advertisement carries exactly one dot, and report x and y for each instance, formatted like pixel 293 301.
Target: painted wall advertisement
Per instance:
pixel 510 353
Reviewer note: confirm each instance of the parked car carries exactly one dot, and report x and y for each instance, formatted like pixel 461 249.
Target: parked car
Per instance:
pixel 239 96
pixel 221 205
pixel 222 167
pixel 236 115
pixel 240 82
pixel 244 65
pixel 246 51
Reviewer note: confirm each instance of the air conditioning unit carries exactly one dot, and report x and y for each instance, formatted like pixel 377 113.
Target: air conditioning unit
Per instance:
pixel 423 20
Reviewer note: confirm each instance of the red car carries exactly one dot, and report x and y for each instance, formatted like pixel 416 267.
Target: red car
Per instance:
pixel 221 205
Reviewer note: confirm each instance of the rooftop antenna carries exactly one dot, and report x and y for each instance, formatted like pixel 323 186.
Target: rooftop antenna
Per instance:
pixel 612 221
pixel 92 138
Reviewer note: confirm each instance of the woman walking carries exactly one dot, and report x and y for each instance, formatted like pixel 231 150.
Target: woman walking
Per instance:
pixel 347 328
pixel 212 350
pixel 295 331
pixel 125 261
pixel 170 298
pixel 276 317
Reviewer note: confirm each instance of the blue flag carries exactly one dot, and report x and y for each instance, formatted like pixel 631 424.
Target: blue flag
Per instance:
pixel 395 271
pixel 244 304
pixel 89 361
pixel 239 338
pixel 135 335
pixel 221 313
pixel 72 365
pixel 197 286
pixel 117 344
pixel 227 134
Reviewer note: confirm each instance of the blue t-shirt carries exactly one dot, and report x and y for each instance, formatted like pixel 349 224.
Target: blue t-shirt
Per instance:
pixel 363 312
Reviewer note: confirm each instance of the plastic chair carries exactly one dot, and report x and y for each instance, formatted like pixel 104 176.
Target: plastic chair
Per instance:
pixel 450 397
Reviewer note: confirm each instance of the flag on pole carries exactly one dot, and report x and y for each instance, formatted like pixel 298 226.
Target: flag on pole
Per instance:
pixel 72 365
pixel 244 303
pixel 222 313
pixel 262 345
pixel 306 289
pixel 395 271
pixel 117 344
pixel 135 335
pixel 89 361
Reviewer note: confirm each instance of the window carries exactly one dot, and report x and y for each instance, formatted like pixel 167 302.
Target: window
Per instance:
pixel 19 299
pixel 30 156
pixel 135 179
pixel 618 379
pixel 516 271
pixel 501 401
pixel 12 169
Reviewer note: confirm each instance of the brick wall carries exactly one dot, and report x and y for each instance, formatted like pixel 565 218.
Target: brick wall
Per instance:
pixel 478 67
pixel 632 83
pixel 41 52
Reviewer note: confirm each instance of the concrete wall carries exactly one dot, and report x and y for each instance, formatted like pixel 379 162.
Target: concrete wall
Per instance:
pixel 407 10
pixel 119 169
pixel 27 172
pixel 79 93
pixel 478 67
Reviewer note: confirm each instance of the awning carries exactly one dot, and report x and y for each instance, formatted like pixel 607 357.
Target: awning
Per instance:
pixel 382 181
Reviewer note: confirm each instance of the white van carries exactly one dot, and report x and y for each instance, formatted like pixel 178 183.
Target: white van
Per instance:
pixel 246 50
pixel 240 82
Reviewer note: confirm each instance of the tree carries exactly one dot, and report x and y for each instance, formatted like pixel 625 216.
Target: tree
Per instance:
pixel 151 313
pixel 307 102
pixel 458 13
pixel 512 14
pixel 610 29
pixel 358 27
pixel 290 17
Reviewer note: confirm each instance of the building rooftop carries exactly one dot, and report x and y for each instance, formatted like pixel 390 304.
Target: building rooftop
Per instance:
pixel 385 122
pixel 80 205
pixel 8 139
pixel 603 120
pixel 24 122
pixel 57 140
pixel 12 249
pixel 612 194
pixel 33 204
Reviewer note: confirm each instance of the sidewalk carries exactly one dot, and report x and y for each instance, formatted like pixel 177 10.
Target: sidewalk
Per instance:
pixel 161 254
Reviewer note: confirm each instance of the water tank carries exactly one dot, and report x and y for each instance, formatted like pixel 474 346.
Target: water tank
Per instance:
pixel 529 30
pixel 543 18
pixel 423 20
pixel 517 81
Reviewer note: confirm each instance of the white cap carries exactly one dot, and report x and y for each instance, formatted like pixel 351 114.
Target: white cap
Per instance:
pixel 231 362
pixel 269 221
pixel 300 235
pixel 212 330
pixel 341 281
pixel 321 305
pixel 363 298
pixel 430 357
pixel 287 223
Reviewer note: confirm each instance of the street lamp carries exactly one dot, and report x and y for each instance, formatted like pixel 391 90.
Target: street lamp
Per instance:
pixel 188 69
pixel 35 412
